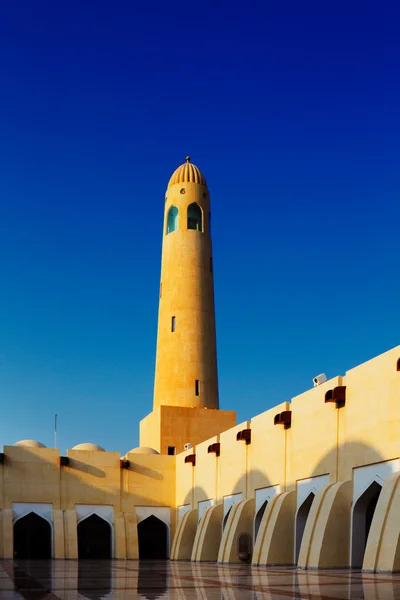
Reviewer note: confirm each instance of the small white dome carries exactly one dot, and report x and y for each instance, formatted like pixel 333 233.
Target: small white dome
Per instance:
pixel 30 444
pixel 89 447
pixel 143 450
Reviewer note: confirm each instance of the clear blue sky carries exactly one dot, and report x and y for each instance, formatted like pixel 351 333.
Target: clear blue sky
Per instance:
pixel 291 110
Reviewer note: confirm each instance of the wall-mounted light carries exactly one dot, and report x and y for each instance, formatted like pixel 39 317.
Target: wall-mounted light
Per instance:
pixel 64 461
pixel 124 464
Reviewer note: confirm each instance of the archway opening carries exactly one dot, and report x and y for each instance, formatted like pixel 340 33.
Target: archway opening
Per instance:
pixel 94 538
pixel 363 513
pixel 258 518
pixel 301 520
pixel 194 217
pixel 32 537
pixel 153 538
pixel 172 219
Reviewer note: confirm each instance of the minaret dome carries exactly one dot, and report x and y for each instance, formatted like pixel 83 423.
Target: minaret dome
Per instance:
pixel 187 173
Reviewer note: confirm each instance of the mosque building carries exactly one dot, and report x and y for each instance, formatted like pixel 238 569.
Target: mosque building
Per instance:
pixel 312 482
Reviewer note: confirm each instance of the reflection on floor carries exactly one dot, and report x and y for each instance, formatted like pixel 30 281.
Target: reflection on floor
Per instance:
pixel 123 580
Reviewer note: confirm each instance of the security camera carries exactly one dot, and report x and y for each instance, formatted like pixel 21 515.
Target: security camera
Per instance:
pixel 188 446
pixel 319 379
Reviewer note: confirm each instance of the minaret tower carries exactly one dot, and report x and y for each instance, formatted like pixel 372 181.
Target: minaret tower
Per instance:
pixel 186 381
pixel 186 365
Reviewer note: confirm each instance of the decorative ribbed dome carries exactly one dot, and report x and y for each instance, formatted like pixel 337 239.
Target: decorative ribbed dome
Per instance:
pixel 88 446
pixel 187 173
pixel 143 450
pixel 30 444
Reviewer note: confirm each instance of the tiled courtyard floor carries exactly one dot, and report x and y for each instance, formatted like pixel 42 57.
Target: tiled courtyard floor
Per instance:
pixel 73 580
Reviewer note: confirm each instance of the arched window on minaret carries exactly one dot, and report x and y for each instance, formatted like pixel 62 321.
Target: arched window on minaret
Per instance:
pixel 172 219
pixel 195 217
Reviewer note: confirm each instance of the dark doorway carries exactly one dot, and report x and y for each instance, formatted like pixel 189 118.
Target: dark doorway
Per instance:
pixel 258 518
pixel 152 535
pixel 32 537
pixel 94 538
pixel 363 513
pixel 301 520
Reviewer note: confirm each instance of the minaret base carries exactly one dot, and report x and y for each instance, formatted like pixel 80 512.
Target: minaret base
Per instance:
pixel 168 428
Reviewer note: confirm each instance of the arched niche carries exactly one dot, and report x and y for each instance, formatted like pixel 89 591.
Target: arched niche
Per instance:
pixel 152 538
pixel 301 520
pixel 244 547
pixel 362 515
pixel 194 217
pixel 172 219
pixel 94 538
pixel 32 537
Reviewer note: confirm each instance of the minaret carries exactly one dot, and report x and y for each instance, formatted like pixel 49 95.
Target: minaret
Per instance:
pixel 186 364
pixel 186 382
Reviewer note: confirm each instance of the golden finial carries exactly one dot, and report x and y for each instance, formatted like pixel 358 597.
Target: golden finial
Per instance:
pixel 188 159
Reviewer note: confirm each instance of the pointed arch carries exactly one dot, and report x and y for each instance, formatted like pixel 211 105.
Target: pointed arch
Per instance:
pixel 194 217
pixel 258 518
pixel 94 537
pixel 362 515
pixel 301 520
pixel 172 219
pixel 32 537
pixel 153 538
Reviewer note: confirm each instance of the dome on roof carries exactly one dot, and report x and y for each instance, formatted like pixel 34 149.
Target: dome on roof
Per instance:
pixel 143 450
pixel 30 444
pixel 89 447
pixel 187 173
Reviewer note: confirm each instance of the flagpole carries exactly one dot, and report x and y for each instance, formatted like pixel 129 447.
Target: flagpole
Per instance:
pixel 55 431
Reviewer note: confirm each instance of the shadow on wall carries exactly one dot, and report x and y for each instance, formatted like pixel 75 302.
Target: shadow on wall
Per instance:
pixel 348 519
pixel 236 521
pixel 28 529
pixel 346 533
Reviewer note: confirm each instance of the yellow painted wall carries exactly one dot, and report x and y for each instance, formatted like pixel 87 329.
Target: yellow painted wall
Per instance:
pixel 233 463
pixel 268 450
pixel 206 473
pixel 312 438
pixel 369 425
pixel 178 426
pixel 31 473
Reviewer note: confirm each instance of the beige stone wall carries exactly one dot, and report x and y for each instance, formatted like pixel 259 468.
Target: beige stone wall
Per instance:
pixel 34 475
pixel 322 440
pixel 175 426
